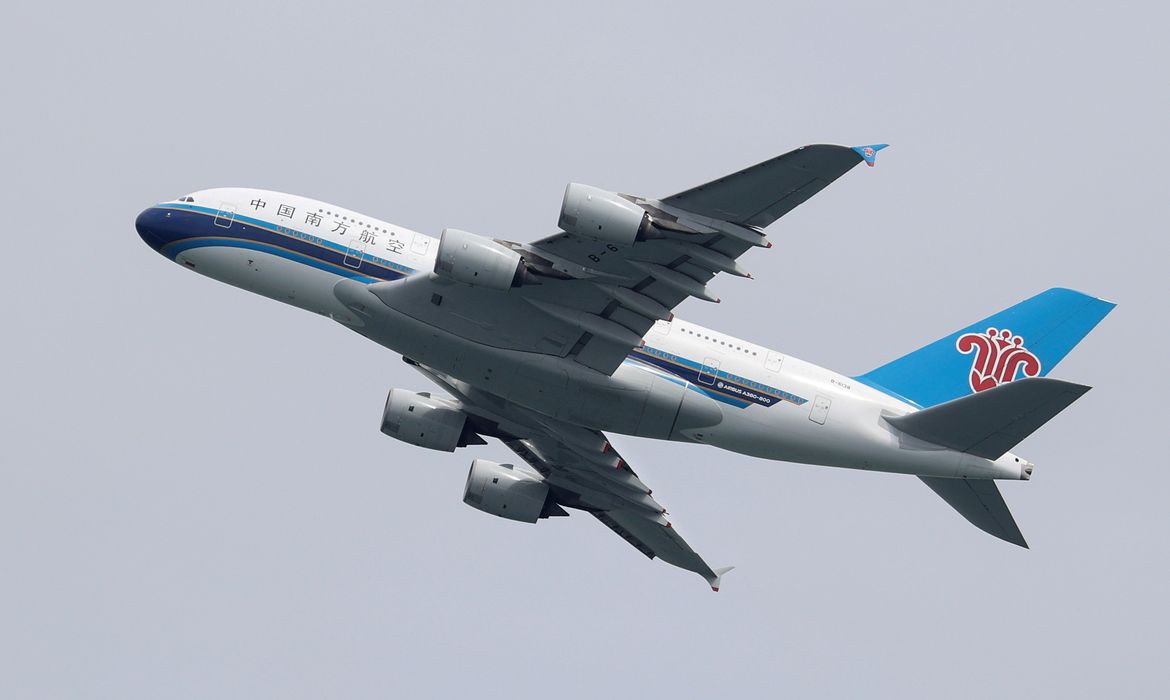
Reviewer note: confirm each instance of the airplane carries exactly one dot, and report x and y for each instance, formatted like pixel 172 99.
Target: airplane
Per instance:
pixel 547 346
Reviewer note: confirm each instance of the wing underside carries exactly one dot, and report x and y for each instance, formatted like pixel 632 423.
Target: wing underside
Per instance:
pixel 584 472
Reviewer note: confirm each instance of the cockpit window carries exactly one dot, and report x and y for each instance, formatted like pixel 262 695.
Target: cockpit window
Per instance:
pixel 187 198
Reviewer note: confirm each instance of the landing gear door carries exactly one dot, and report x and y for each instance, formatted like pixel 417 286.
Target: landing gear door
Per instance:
pixel 226 215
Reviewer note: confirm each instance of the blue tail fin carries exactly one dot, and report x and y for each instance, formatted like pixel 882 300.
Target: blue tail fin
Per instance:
pixel 1026 340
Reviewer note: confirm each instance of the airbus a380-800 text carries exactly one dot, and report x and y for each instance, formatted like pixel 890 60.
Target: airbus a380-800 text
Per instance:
pixel 546 346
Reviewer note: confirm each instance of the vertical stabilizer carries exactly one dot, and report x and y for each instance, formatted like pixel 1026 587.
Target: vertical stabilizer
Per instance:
pixel 1026 340
pixel 979 501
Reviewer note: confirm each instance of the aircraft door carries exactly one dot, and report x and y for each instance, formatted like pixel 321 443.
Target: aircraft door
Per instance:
pixel 355 254
pixel 820 409
pixel 421 244
pixel 226 215
pixel 709 371
pixel 773 362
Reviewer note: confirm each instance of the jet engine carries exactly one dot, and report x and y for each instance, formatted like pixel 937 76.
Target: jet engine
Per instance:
pixel 504 490
pixel 426 421
pixel 603 216
pixel 475 260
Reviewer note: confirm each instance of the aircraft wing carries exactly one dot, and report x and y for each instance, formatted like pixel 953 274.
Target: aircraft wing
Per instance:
pixel 583 472
pixel 759 195
pixel 618 499
pixel 593 301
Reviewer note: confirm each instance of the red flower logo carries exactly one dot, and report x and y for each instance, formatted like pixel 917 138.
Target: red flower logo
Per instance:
pixel 1000 358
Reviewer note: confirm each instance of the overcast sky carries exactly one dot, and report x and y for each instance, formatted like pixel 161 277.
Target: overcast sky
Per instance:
pixel 195 499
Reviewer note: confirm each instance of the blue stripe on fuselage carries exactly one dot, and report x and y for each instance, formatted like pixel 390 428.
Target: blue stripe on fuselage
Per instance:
pixel 723 386
pixel 172 228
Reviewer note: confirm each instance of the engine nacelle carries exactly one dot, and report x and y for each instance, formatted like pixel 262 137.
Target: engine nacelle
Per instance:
pixel 471 259
pixel 603 216
pixel 504 490
pixel 423 420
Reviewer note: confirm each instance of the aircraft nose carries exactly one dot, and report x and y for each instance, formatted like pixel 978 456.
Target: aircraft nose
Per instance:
pixel 151 225
pixel 146 226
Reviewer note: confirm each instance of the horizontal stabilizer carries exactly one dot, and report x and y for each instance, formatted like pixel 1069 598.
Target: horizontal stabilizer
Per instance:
pixel 991 422
pixel 979 501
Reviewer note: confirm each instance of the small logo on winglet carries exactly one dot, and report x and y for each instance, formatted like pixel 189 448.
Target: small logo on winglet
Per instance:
pixel 869 153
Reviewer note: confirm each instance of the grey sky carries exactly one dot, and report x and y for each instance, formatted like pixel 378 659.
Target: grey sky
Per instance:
pixel 195 500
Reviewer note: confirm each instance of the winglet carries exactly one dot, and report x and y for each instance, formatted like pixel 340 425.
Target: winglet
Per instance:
pixel 869 153
pixel 714 580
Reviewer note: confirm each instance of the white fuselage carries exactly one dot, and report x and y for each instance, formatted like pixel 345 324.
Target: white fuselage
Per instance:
pixel 297 250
